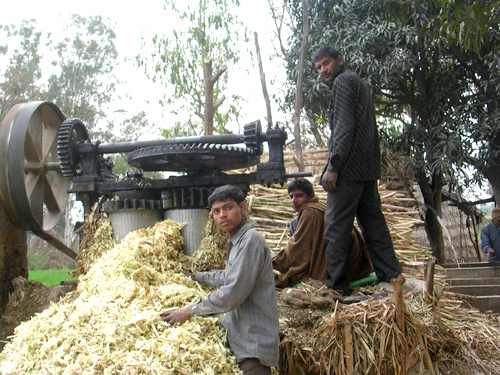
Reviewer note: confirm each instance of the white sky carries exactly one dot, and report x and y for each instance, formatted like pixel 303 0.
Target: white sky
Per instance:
pixel 149 18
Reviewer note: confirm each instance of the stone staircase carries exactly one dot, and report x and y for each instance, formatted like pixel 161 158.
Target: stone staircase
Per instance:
pixel 477 279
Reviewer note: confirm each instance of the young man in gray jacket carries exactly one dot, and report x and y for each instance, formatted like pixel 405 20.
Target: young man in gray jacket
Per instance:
pixel 246 294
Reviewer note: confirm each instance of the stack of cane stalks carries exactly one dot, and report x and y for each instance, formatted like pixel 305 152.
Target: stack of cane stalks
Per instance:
pixel 271 212
pixel 440 336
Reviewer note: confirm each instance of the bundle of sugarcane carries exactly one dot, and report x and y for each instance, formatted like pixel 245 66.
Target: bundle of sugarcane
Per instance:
pixel 271 212
pixel 212 252
pixel 366 337
pixel 96 239
pixel 111 324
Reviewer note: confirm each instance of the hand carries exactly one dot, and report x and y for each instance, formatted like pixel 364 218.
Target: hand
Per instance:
pixel 329 181
pixel 491 251
pixel 186 273
pixel 176 317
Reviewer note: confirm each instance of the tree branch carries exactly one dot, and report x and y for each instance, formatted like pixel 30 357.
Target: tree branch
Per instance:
pixel 219 102
pixel 217 75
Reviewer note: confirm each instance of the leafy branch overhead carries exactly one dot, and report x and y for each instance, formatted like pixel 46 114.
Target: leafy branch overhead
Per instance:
pixel 184 60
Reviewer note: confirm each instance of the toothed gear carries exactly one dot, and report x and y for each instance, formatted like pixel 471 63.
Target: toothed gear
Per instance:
pixel 195 157
pixel 71 132
pixel 251 136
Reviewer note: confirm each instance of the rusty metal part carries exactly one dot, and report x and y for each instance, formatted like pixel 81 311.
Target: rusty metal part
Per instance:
pixel 33 189
pixel 253 138
pixel 72 132
pixel 192 158
pixel 54 241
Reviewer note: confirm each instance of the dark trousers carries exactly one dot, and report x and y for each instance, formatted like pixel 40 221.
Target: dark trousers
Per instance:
pixel 252 366
pixel 358 199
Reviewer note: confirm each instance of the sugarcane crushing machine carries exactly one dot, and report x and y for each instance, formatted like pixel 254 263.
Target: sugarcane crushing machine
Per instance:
pixel 44 156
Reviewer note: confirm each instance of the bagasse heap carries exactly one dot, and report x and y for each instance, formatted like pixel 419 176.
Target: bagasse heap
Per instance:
pixel 111 325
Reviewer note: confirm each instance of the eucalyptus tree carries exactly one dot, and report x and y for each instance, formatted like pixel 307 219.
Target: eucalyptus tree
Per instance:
pixel 394 46
pixel 193 59
pixel 21 76
pixel 83 83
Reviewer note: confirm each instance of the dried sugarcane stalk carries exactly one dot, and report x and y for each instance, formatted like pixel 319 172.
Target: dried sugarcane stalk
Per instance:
pixel 429 281
pixel 400 307
pixel 349 352
pixel 427 357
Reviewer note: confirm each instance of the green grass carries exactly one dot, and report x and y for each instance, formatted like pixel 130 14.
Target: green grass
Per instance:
pixel 50 277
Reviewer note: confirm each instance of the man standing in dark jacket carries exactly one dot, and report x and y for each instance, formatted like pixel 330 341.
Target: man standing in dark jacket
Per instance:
pixel 351 173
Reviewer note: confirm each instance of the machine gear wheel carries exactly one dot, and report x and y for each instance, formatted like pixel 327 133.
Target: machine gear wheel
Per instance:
pixel 251 136
pixel 71 132
pixel 194 157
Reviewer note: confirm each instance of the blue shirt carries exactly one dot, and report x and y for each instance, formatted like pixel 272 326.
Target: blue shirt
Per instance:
pixel 247 298
pixel 490 238
pixel 293 225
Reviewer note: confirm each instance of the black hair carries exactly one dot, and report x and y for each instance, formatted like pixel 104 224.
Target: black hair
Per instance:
pixel 226 192
pixel 324 52
pixel 301 184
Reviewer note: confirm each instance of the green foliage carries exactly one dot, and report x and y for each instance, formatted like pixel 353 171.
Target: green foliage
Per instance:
pixel 36 261
pixel 209 30
pixel 50 277
pixel 84 84
pixel 21 77
pixel 407 52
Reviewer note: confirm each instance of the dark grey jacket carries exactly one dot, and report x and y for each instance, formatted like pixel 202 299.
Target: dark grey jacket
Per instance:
pixel 354 142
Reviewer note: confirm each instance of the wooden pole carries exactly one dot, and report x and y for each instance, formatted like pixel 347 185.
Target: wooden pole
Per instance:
pixel 263 82
pixel 298 91
pixel 400 307
pixel 349 352
pixel 13 256
pixel 400 320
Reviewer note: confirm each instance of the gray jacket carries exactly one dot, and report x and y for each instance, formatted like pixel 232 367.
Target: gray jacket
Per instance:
pixel 247 298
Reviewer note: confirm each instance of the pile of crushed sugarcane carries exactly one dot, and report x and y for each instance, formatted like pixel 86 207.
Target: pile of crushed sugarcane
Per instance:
pixel 111 324
pixel 271 212
pixel 96 239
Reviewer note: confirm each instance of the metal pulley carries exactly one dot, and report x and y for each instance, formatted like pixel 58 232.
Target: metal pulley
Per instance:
pixel 33 188
pixel 34 191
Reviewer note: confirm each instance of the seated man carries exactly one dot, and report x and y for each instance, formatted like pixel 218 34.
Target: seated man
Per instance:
pixel 304 255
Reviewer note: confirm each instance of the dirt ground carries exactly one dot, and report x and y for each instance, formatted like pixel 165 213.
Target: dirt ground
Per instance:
pixel 27 299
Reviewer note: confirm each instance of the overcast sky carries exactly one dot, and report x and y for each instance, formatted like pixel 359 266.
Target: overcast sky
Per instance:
pixel 149 18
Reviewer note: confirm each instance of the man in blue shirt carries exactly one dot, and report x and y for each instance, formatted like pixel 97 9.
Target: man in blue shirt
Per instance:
pixel 490 237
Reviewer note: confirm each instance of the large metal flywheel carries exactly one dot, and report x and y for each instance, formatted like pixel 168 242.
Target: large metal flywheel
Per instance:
pixel 32 187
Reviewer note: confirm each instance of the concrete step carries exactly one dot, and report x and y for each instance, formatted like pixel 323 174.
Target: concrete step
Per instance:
pixel 473 272
pixel 485 303
pixel 477 290
pixel 482 281
pixel 469 265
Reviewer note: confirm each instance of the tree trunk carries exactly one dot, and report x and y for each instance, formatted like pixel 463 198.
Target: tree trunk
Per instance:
pixel 208 119
pixel 314 129
pixel 210 107
pixel 298 92
pixel 492 171
pixel 263 82
pixel 432 195
pixel 13 256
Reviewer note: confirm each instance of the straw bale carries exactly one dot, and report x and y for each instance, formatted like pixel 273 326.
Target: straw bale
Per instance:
pixel 111 324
